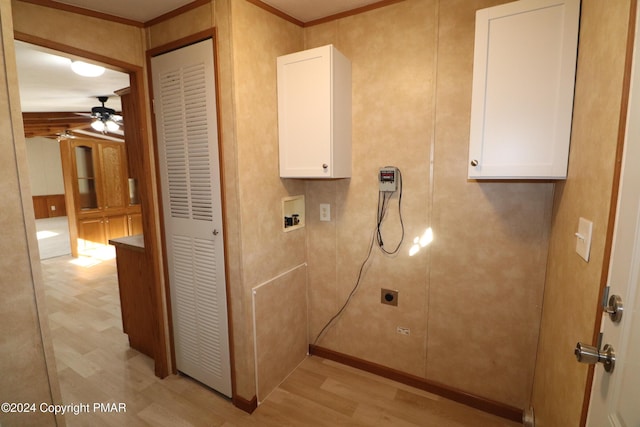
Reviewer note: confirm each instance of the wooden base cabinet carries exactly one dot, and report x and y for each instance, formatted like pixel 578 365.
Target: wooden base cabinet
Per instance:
pixel 136 293
pixel 91 233
pixel 99 230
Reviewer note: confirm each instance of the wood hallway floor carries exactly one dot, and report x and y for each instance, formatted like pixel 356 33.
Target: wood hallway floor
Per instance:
pixel 95 364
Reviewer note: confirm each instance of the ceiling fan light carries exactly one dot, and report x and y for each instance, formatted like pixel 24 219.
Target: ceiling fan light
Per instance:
pixel 112 126
pixel 87 70
pixel 98 125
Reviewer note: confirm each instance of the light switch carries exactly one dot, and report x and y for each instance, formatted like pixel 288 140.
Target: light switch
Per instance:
pixel 325 212
pixel 583 238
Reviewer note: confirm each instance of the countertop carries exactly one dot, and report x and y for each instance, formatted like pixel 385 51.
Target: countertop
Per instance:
pixel 135 243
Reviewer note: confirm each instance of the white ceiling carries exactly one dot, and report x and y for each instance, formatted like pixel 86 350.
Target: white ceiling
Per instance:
pixel 136 10
pixel 146 10
pixel 47 83
pixel 310 10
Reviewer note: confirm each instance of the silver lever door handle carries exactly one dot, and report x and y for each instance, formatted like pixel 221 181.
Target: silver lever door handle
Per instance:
pixel 591 355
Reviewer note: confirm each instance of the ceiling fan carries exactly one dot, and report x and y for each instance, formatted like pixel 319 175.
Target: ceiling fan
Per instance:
pixel 106 119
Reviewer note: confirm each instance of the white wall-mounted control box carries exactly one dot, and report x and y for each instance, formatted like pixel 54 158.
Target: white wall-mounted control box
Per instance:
pixel 388 178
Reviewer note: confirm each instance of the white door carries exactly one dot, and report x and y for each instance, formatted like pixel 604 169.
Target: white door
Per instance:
pixel 615 396
pixel 185 110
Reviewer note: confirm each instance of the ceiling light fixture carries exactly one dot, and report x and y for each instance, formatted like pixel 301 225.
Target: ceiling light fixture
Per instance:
pixel 105 118
pixel 87 70
pixel 98 125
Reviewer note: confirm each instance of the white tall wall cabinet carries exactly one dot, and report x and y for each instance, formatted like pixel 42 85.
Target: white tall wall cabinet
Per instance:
pixel 523 84
pixel 314 114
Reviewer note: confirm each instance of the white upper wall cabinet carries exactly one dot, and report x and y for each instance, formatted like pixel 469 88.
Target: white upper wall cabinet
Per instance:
pixel 314 114
pixel 523 83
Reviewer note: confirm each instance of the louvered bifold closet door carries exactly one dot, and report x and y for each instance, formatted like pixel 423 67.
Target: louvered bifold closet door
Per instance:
pixel 185 111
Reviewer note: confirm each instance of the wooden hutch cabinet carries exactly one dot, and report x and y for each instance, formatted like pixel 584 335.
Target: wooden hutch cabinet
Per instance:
pixel 98 192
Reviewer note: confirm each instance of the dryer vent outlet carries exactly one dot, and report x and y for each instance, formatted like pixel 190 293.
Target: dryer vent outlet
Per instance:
pixel 389 297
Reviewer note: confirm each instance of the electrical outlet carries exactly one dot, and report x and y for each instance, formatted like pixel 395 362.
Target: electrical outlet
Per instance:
pixel 325 212
pixel 53 208
pixel 403 331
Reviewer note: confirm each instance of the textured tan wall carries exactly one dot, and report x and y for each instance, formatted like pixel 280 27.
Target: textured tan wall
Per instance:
pixel 126 43
pixel 240 306
pixel 489 256
pixel 199 19
pixel 391 50
pixel 258 38
pixel 472 300
pixel 281 328
pixel 23 346
pixel 573 284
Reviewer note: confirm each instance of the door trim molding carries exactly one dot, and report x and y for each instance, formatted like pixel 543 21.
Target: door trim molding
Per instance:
pixel 136 74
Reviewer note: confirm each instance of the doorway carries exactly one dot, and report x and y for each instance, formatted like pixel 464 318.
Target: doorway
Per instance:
pixel 59 109
pixel 98 269
pixel 189 165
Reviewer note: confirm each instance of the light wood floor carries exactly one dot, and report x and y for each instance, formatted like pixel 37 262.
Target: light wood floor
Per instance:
pixel 95 364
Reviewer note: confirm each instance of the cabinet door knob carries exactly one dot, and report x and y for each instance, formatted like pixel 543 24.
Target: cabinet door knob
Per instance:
pixel 474 163
pixel 325 166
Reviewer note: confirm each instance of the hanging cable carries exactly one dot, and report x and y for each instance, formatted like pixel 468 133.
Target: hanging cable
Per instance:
pixel 351 294
pixel 383 204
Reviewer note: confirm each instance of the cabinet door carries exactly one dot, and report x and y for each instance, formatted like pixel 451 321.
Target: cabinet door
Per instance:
pixel 115 191
pixel 523 82
pixel 116 226
pixel 91 233
pixel 314 114
pixel 85 161
pixel 304 107
pixel 135 224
